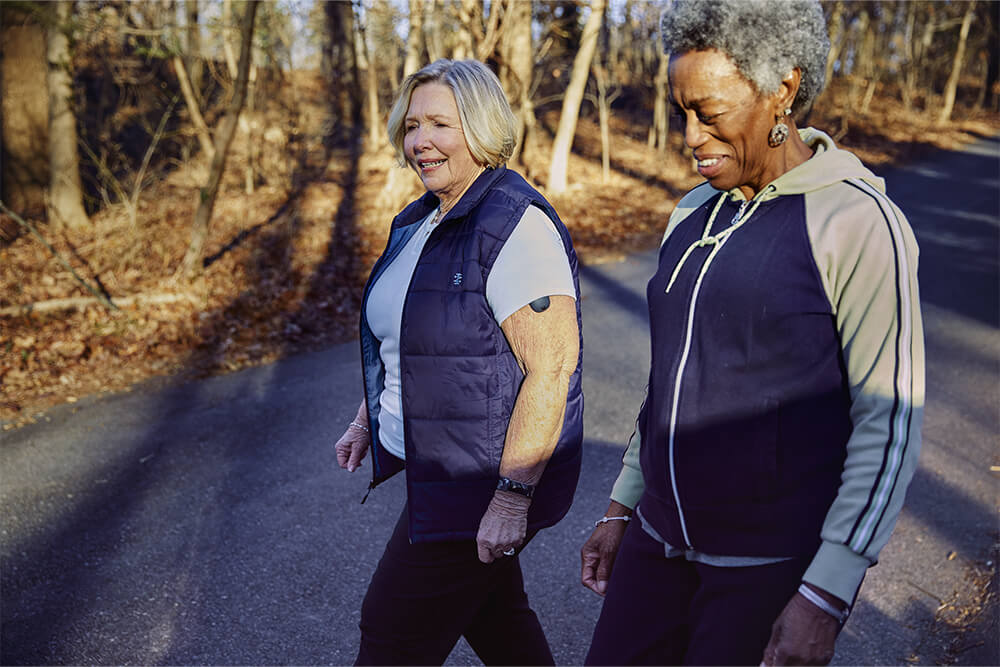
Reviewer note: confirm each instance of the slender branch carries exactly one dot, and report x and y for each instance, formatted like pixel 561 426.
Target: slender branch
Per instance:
pixel 101 298
pixel 204 136
pixel 137 186
pixel 102 167
pixel 52 305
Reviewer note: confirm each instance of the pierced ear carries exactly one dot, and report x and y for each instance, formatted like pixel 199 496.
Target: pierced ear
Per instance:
pixel 789 89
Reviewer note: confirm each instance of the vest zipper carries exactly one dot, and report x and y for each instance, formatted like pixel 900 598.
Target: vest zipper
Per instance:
pixel 377 272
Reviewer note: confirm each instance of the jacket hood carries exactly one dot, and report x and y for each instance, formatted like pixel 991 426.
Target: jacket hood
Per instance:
pixel 828 165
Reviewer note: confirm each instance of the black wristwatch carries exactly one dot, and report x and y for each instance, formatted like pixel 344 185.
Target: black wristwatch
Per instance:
pixel 507 484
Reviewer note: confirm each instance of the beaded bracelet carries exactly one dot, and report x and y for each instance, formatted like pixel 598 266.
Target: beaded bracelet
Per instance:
pixel 605 519
pixel 361 426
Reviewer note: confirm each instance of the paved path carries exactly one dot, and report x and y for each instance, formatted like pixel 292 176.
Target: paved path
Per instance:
pixel 206 524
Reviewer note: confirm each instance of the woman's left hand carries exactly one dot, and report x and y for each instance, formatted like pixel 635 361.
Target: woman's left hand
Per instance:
pixel 503 526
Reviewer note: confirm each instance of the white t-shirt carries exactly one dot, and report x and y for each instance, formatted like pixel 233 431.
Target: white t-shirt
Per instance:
pixel 531 264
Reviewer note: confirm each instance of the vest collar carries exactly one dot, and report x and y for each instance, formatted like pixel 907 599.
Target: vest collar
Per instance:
pixel 482 185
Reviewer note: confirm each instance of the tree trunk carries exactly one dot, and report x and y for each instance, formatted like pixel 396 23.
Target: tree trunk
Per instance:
pixel 993 73
pixel 951 88
pixel 836 30
pixel 604 115
pixel 200 128
pixel 366 58
pixel 343 64
pixel 661 120
pixel 191 263
pixel 470 19
pixel 574 95
pixel 192 59
pixel 432 31
pixel 910 47
pixel 865 47
pixel 489 42
pixel 227 44
pixel 415 39
pixel 65 205
pixel 519 58
pixel 24 107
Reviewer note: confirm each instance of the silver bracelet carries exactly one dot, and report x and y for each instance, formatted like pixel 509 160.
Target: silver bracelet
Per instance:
pixel 817 599
pixel 605 519
pixel 361 426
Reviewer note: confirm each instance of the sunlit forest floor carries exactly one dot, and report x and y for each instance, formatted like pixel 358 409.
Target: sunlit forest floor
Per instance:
pixel 285 266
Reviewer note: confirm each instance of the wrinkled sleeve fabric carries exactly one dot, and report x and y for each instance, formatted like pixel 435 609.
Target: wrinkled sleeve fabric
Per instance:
pixel 866 256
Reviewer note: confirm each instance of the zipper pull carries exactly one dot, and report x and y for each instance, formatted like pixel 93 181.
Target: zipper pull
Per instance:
pixel 371 486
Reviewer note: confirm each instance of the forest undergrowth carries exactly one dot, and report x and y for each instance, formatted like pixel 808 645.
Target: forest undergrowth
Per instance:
pixel 285 265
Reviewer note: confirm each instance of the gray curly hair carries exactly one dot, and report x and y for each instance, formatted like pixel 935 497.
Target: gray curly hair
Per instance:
pixel 765 39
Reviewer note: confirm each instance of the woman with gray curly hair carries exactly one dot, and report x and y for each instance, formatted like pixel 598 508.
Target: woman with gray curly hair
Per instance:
pixel 781 424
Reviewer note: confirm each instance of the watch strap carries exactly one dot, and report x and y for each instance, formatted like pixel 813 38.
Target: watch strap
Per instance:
pixel 507 484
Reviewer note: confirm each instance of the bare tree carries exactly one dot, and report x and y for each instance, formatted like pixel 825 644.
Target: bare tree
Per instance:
pixel 366 60
pixel 661 119
pixel 414 39
pixel 190 265
pixel 432 30
pixel 339 64
pixel 951 87
pixel 835 27
pixel 24 111
pixel 574 95
pixel 65 198
pixel 518 56
pixel 470 20
pixel 605 98
pixel 192 55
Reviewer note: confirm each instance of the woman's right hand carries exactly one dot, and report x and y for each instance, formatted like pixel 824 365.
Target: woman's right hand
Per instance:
pixel 353 445
pixel 352 448
pixel 599 551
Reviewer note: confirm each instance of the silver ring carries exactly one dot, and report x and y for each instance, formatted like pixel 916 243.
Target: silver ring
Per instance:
pixel 509 552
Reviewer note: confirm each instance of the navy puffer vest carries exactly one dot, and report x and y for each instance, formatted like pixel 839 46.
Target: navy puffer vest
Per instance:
pixel 459 378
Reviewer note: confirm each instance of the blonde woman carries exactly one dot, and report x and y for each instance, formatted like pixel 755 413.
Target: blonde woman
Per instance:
pixel 471 351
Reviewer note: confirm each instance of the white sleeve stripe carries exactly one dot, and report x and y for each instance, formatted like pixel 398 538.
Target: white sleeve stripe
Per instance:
pixel 868 522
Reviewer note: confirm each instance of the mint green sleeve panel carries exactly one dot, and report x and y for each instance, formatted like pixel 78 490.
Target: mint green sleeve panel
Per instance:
pixel 866 256
pixel 629 486
pixel 687 205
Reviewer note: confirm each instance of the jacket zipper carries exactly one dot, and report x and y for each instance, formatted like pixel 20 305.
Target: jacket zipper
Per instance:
pixel 716 241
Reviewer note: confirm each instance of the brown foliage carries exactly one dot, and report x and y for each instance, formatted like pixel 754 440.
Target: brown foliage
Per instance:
pixel 285 266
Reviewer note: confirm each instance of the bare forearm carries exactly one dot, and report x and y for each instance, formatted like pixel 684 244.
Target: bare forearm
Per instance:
pixel 535 425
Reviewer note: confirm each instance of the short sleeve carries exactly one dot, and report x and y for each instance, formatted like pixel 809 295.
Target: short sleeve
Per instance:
pixel 531 264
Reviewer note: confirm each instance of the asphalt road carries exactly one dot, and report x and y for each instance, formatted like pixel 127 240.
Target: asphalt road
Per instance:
pixel 206 523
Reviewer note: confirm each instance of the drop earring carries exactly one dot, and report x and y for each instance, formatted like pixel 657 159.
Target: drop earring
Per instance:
pixel 779 133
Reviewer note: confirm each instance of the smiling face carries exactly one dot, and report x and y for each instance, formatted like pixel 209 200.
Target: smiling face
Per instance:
pixel 726 121
pixel 434 143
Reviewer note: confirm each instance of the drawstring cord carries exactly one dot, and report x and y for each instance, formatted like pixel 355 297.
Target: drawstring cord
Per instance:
pixel 716 240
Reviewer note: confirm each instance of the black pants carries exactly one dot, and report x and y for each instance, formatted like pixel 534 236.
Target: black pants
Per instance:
pixel 671 611
pixel 424 596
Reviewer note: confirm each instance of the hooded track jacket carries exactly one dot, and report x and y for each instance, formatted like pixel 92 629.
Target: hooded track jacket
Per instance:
pixel 459 377
pixel 786 391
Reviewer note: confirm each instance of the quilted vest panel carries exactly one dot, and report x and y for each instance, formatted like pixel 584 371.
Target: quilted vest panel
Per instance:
pixel 459 377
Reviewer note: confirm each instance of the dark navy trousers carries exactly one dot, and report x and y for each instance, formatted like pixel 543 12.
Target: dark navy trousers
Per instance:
pixel 671 611
pixel 424 596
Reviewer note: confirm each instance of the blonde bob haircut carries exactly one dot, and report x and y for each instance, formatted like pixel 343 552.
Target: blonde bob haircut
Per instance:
pixel 487 120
